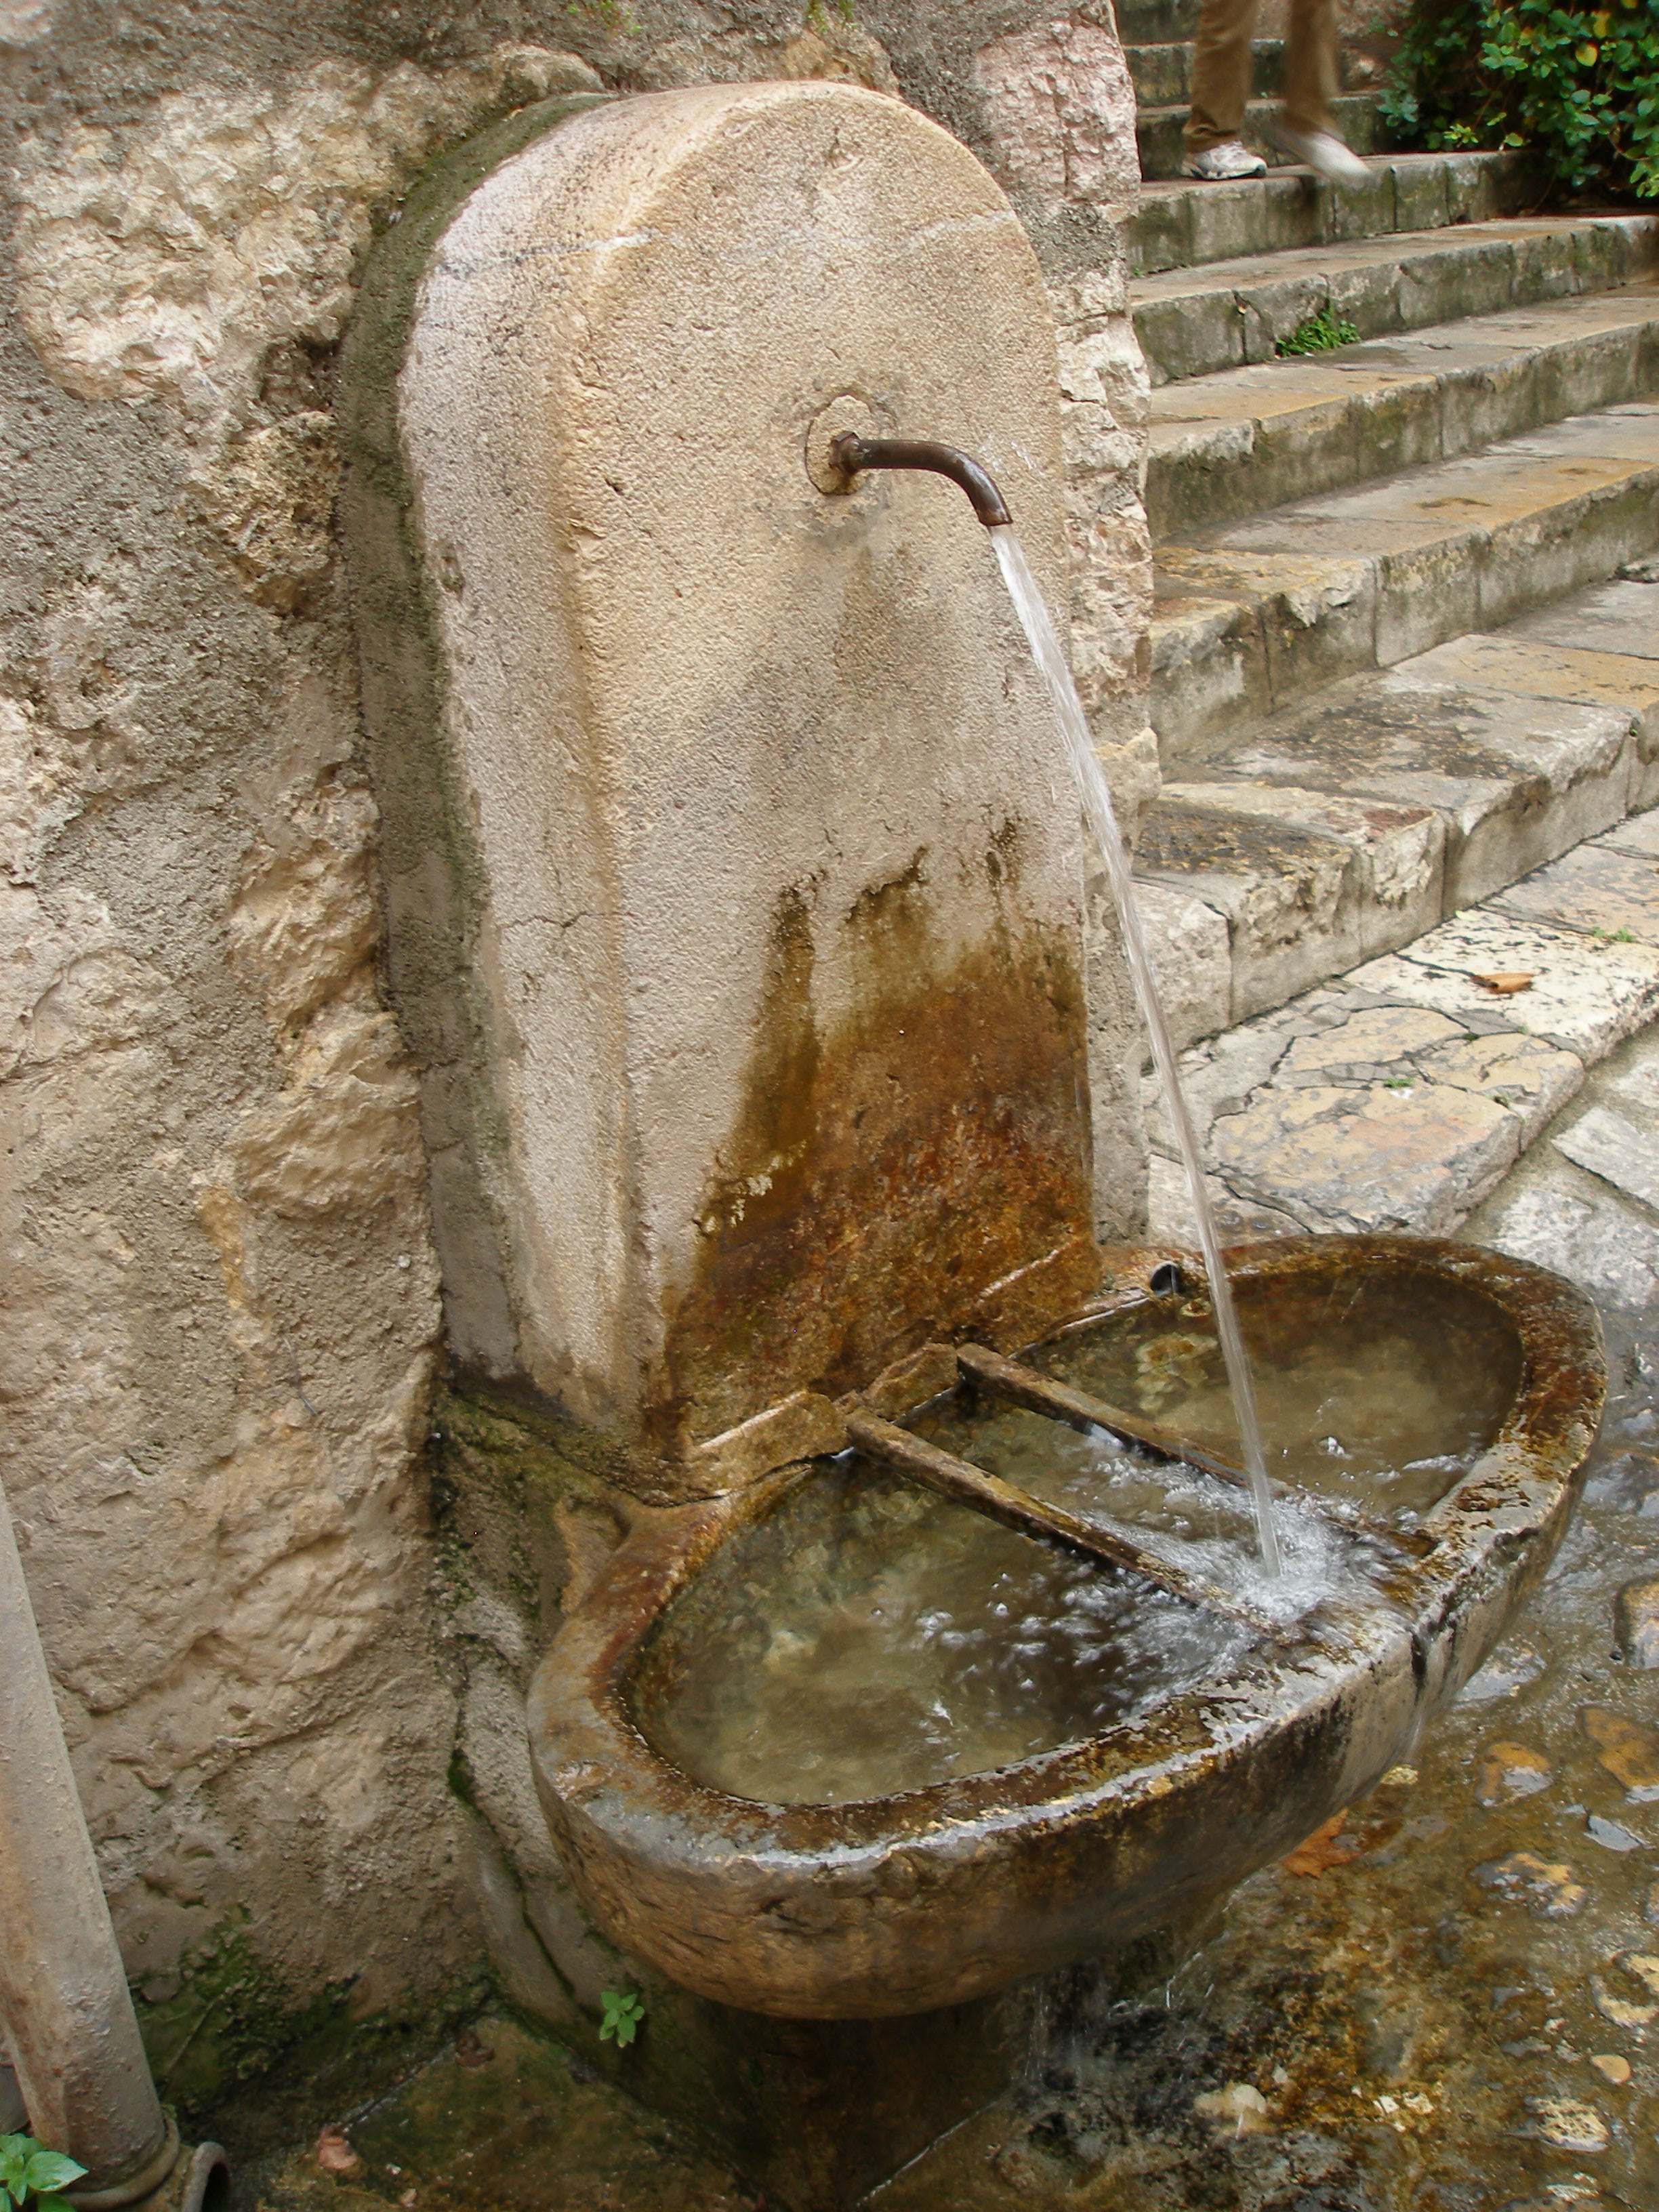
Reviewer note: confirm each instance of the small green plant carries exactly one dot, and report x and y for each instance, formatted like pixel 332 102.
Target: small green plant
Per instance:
pixel 1320 333
pixel 32 2175
pixel 622 2017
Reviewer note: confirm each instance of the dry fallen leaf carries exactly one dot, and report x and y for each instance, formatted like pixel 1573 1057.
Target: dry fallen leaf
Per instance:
pixel 1326 1847
pixel 1506 984
pixel 335 2154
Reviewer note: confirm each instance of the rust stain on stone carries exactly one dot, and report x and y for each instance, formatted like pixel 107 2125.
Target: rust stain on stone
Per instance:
pixel 886 1171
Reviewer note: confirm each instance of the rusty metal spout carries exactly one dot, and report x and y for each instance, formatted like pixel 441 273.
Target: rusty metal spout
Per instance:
pixel 851 454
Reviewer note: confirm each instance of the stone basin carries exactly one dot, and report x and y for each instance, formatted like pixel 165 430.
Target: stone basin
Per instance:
pixel 934 1895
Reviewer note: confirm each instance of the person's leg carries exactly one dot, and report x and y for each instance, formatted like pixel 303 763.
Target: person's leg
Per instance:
pixel 1310 79
pixel 1221 73
pixel 1307 127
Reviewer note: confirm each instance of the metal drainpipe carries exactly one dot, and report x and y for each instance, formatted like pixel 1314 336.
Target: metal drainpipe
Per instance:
pixel 70 2032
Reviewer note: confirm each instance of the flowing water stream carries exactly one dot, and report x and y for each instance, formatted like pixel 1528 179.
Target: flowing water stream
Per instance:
pixel 1050 657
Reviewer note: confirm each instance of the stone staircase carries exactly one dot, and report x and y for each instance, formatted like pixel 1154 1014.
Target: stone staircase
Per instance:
pixel 1158 38
pixel 1406 641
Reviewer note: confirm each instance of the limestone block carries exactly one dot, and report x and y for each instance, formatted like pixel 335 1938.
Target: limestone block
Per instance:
pixel 774 945
pixel 174 261
pixel 1062 111
pixel 268 497
pixel 304 927
pixel 1188 941
pixel 25 23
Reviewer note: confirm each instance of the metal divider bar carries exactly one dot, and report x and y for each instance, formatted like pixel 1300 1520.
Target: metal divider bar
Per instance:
pixel 1097 1538
pixel 1023 1386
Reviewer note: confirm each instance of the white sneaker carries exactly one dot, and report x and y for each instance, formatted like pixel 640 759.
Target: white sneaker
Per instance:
pixel 1223 163
pixel 1337 163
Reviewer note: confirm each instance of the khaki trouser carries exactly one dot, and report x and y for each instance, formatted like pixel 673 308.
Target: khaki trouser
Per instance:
pixel 1221 69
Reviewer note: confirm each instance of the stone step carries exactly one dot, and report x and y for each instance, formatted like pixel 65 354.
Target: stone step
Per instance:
pixel 1159 132
pixel 1156 22
pixel 1398 1098
pixel 1256 615
pixel 1350 827
pixel 1184 224
pixel 1163 76
pixel 1199 322
pixel 1232 445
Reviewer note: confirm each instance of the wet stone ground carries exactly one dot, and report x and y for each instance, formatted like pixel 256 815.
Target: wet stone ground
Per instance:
pixel 1449 2002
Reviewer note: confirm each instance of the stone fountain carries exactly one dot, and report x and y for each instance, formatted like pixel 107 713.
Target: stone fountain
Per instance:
pixel 737 922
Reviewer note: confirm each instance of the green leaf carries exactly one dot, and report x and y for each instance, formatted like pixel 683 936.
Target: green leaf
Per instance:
pixel 49 2170
pixel 14 2152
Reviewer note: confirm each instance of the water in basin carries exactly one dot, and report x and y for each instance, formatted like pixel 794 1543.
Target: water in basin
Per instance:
pixel 1376 1385
pixel 867 1637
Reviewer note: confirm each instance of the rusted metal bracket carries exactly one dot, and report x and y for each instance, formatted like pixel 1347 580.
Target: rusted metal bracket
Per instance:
pixel 1097 1537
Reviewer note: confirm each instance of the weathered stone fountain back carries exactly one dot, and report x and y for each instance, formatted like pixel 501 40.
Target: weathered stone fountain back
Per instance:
pixel 735 896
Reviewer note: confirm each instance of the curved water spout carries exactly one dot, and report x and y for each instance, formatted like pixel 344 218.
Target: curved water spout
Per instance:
pixel 853 454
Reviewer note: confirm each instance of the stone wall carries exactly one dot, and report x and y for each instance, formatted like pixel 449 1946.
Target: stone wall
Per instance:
pixel 223 1322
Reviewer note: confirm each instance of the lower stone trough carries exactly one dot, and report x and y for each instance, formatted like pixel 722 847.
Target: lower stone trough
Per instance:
pixel 737 922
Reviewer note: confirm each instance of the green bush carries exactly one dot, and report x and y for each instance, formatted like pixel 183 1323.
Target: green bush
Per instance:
pixel 1577 87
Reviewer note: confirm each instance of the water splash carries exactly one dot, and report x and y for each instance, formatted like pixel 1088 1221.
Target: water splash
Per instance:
pixel 1050 657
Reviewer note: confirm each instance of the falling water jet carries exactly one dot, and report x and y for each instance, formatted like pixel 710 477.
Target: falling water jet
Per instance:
pixel 854 454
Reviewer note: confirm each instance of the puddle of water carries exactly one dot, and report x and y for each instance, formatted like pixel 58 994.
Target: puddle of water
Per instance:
pixel 868 1637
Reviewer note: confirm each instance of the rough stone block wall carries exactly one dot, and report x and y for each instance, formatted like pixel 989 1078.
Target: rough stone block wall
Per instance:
pixel 222 1324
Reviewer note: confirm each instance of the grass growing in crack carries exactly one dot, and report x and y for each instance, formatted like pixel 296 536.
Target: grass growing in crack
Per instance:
pixel 1321 333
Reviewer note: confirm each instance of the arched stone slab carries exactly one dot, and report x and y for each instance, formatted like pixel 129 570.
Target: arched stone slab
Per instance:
pixel 766 986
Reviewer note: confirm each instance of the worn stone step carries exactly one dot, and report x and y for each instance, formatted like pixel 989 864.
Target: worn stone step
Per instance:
pixel 1182 223
pixel 1156 22
pixel 1200 322
pixel 1398 1097
pixel 1163 76
pixel 1232 445
pixel 1256 615
pixel 1159 132
pixel 1350 826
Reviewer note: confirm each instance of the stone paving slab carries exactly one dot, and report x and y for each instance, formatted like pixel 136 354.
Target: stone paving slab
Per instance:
pixel 1586 995
pixel 1400 1097
pixel 1619 616
pixel 1368 1157
pixel 1612 1146
pixel 1596 889
pixel 1509 662
pixel 1561 1208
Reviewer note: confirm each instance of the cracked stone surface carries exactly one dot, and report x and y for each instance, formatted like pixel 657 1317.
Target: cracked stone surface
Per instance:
pixel 1584 997
pixel 1368 1156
